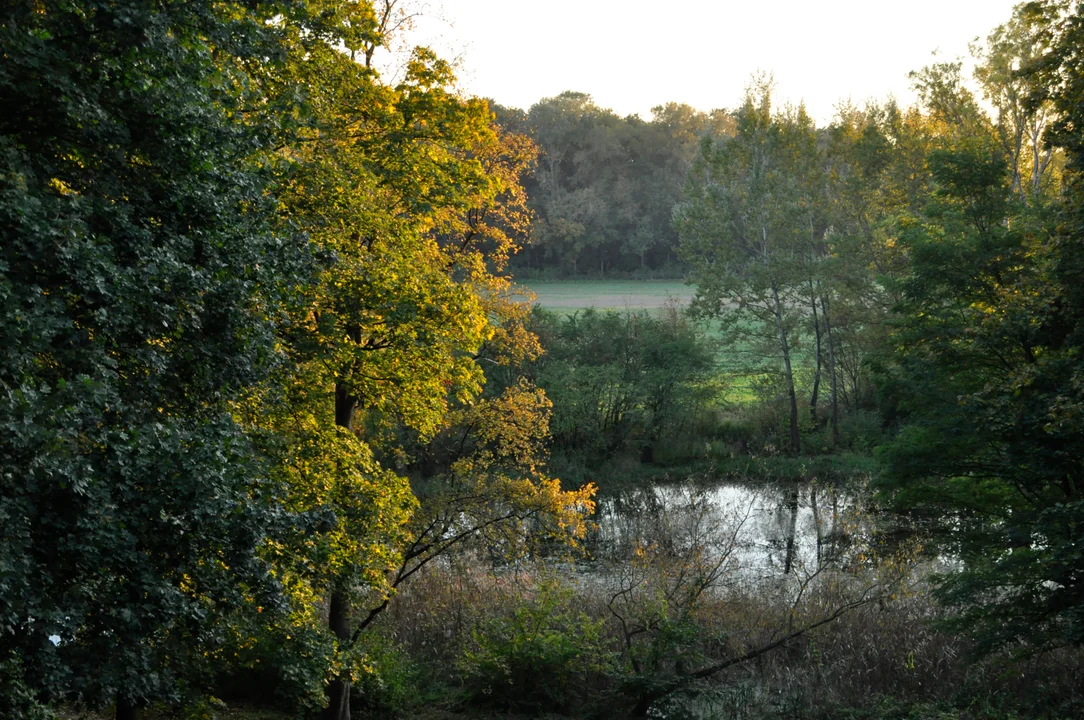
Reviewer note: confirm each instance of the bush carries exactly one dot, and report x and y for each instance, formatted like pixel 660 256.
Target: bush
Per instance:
pixel 278 664
pixel 386 680
pixel 16 699
pixel 862 430
pixel 544 657
pixel 622 382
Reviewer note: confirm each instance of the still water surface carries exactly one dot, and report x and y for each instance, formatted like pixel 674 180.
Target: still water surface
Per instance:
pixel 765 530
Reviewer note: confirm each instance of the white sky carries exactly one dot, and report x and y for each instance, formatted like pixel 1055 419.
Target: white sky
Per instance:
pixel 633 55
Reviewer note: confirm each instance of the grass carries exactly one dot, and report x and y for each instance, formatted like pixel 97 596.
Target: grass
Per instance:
pixel 572 295
pixel 738 362
pixel 165 713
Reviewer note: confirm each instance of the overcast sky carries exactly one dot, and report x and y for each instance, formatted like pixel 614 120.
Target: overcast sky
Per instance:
pixel 632 55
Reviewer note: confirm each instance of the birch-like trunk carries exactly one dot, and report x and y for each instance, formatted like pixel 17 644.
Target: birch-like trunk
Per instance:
pixel 784 346
pixel 833 379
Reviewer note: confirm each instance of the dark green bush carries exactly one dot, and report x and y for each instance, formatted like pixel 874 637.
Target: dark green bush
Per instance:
pixel 17 701
pixel 545 656
pixel 386 680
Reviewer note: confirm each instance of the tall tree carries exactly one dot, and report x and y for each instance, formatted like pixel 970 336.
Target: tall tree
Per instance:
pixel 1022 116
pixel 139 285
pixel 989 354
pixel 876 171
pixel 605 187
pixel 744 231
pixel 412 199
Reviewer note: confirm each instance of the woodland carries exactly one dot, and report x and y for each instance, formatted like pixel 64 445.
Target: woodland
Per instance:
pixel 283 434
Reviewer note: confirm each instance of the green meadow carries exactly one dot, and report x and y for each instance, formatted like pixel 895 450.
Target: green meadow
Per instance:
pixel 568 296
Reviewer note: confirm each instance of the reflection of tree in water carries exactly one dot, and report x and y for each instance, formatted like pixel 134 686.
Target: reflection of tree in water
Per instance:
pixel 778 528
pixel 790 509
pixel 697 579
pixel 672 519
pixel 808 529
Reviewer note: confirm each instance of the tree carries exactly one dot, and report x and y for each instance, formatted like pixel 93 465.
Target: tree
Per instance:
pixel 1022 116
pixel 876 172
pixel 412 199
pixel 577 175
pixel 986 359
pixel 605 187
pixel 140 284
pixel 744 228
pixel 620 382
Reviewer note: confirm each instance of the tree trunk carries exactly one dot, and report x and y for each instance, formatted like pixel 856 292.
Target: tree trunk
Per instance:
pixel 126 709
pixel 815 395
pixel 338 691
pixel 644 702
pixel 792 531
pixel 795 439
pixel 831 370
pixel 345 405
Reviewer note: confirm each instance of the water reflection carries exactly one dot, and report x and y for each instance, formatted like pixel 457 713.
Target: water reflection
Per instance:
pixel 763 530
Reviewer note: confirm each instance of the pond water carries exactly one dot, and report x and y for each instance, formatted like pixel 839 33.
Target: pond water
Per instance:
pixel 762 530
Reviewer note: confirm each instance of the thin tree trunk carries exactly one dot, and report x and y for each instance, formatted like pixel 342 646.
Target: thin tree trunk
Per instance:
pixel 831 370
pixel 126 710
pixel 795 439
pixel 1036 172
pixel 338 691
pixel 815 395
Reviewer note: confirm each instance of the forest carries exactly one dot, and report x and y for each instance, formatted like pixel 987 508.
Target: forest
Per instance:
pixel 285 434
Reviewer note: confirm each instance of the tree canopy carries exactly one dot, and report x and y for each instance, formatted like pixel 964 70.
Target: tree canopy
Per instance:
pixel 237 266
pixel 265 365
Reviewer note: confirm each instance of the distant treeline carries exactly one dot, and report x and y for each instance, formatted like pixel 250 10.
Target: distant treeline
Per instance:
pixel 604 188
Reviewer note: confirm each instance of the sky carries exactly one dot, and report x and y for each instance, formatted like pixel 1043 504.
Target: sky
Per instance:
pixel 633 55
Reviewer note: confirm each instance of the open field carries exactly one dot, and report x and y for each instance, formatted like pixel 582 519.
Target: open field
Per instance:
pixel 737 362
pixel 573 295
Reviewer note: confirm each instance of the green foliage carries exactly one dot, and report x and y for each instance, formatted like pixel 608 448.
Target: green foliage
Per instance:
pixel 273 660
pixel 986 366
pixel 411 199
pixel 140 283
pixel 605 187
pixel 235 264
pixel 889 708
pixel 546 656
pixel 621 381
pixel 18 698
pixel 387 681
pixel 753 231
pixel 262 364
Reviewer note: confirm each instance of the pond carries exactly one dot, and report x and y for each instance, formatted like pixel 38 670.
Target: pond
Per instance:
pixel 762 531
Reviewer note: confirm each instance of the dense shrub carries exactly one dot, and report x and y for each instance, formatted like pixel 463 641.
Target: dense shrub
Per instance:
pixel 545 656
pixel 622 383
pixel 16 699
pixel 386 680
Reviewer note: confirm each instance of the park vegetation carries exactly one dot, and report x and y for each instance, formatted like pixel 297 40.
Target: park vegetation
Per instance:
pixel 281 437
